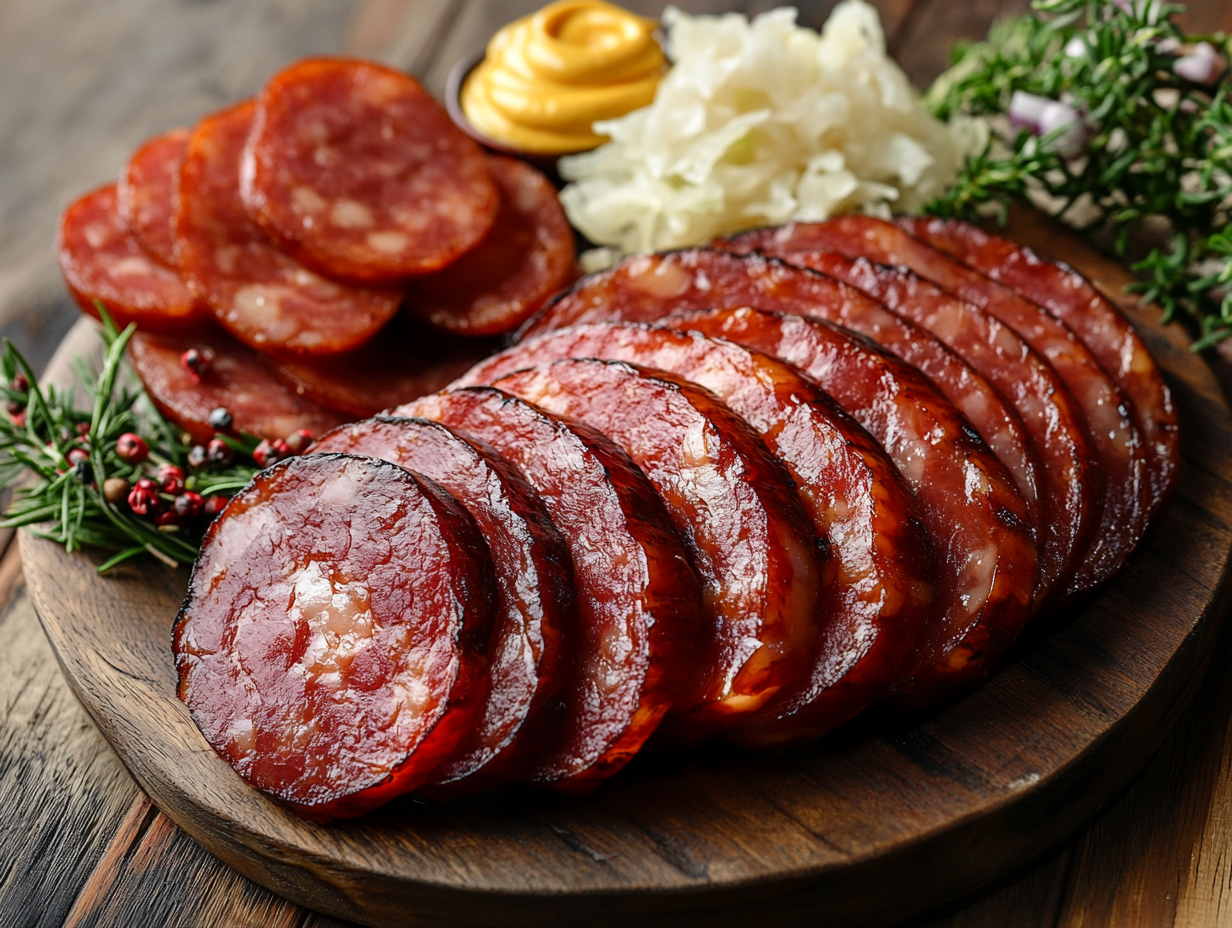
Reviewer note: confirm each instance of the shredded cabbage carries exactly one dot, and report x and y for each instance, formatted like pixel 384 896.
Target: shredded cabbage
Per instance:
pixel 758 124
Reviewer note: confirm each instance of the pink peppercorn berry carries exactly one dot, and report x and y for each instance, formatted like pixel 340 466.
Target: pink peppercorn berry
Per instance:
pixel 77 455
pixel 188 505
pixel 132 448
pixel 143 497
pixel 298 442
pixel 196 361
pixel 218 453
pixel 214 505
pixel 171 479
pixel 271 452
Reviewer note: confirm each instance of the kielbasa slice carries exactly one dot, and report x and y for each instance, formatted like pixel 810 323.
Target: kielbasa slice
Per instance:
pixel 638 601
pixel 147 193
pixel 101 260
pixel 406 360
pixel 535 614
pixel 985 553
pixel 1074 300
pixel 746 533
pixel 1114 438
pixel 1069 483
pixel 879 589
pixel 356 169
pixel 526 257
pixel 332 645
pixel 235 378
pixel 261 295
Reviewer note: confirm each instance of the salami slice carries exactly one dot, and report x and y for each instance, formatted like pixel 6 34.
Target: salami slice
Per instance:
pixel 332 645
pixel 262 296
pixel 986 556
pixel 1076 302
pixel 147 193
pixel 534 586
pixel 638 601
pixel 877 596
pixel 358 171
pixel 101 260
pixel 405 361
pixel 526 257
pixel 235 379
pixel 746 533
pixel 1069 483
pixel 1115 440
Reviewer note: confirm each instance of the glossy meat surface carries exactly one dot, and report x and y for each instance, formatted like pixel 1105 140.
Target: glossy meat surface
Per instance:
pixel 526 257
pixel 261 295
pixel 359 172
pixel 1091 316
pixel 877 588
pixel 985 553
pixel 528 656
pixel 1114 438
pixel 237 380
pixel 1069 482
pixel 101 260
pixel 332 645
pixel 746 532
pixel 147 193
pixel 638 601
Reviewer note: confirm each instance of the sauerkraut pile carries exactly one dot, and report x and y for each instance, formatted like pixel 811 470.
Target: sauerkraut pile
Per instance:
pixel 760 123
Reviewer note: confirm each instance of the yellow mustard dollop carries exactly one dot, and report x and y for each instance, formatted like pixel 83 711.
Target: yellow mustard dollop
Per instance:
pixel 548 77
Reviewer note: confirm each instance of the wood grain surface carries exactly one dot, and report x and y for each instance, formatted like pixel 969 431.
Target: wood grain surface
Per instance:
pixel 82 82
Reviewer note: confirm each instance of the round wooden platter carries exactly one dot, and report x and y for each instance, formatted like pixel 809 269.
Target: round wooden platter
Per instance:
pixel 886 818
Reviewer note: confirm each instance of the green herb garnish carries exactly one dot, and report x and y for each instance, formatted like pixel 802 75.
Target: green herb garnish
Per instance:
pixel 1147 150
pixel 73 476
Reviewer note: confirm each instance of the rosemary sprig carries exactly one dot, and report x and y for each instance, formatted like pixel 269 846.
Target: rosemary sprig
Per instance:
pixel 71 481
pixel 1156 154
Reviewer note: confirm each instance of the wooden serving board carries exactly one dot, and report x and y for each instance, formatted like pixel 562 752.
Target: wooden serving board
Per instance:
pixel 888 817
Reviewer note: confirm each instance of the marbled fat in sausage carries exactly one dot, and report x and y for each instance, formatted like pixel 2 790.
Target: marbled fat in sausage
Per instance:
pixel 147 193
pixel 333 642
pixel 638 601
pixel 526 257
pixel 877 590
pixel 101 260
pixel 355 169
pixel 261 295
pixel 529 655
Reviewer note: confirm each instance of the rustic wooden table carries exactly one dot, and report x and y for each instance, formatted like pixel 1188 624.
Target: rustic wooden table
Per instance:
pixel 81 83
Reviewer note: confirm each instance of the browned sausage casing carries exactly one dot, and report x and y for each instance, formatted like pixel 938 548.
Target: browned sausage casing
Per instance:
pixel 879 576
pixel 333 644
pixel 1075 301
pixel 967 498
pixel 1115 440
pixel 528 659
pixel 638 601
pixel 746 532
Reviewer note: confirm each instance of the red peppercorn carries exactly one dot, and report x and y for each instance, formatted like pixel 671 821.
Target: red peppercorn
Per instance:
pixel 189 504
pixel 214 505
pixel 298 442
pixel 132 448
pixel 219 453
pixel 15 408
pixel 77 455
pixel 197 458
pixel 196 361
pixel 143 498
pixel 171 478
pixel 170 517
pixel 20 384
pixel 19 419
pixel 271 452
pixel 83 429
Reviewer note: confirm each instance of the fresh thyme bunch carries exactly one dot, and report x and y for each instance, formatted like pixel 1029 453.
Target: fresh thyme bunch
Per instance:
pixel 114 476
pixel 1117 121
